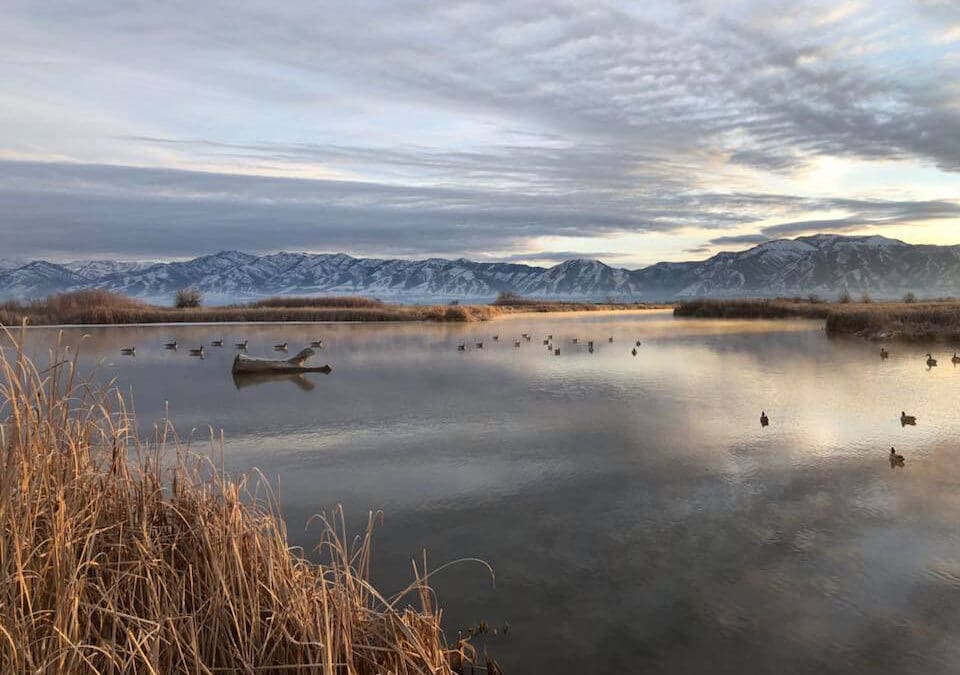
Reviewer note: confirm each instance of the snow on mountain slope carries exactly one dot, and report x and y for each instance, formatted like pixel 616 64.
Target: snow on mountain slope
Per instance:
pixel 825 264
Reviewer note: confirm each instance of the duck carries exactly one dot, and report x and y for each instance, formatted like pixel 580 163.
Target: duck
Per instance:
pixel 516 343
pixel 170 345
pixel 590 344
pixel 638 343
pixel 318 343
pixel 496 338
pixel 546 343
pixel 129 351
pixel 590 349
pixel 556 352
pixel 906 420
pixel 931 362
pixel 550 337
pixel 479 345
pixel 764 420
pixel 896 459
pixel 216 343
pixel 575 340
pixel 884 354
pixel 282 347
pixel 197 352
pixel 955 359
pixel 634 351
pixel 610 339
pixel 241 345
pixel 461 347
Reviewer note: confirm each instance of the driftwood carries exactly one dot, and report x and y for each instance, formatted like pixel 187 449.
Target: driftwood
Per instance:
pixel 295 364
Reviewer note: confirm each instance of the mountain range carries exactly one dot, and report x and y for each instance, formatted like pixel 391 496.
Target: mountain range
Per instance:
pixel 823 264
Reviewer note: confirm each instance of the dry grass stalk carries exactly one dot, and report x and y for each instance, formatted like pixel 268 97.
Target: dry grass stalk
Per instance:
pixel 119 555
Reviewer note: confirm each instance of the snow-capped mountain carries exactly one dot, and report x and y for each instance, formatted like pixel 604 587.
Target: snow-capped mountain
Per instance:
pixel 823 264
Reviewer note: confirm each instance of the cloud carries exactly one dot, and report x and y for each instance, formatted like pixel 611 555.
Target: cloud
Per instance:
pixel 458 126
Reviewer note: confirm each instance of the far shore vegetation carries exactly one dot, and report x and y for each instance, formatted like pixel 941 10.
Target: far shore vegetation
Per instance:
pixel 909 319
pixel 120 554
pixel 105 307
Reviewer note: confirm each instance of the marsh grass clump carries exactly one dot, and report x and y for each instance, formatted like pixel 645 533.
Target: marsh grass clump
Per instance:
pixel 120 555
pixel 350 301
pixel 782 308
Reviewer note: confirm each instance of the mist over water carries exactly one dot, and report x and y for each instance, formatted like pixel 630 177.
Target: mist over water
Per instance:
pixel 637 516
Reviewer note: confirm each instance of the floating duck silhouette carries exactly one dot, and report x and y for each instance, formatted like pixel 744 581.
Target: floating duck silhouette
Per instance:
pixel 764 420
pixel 955 359
pixel 556 352
pixel 610 339
pixel 129 351
pixel 197 352
pixel 638 343
pixel 461 348
pixel 216 343
pixel 931 362
pixel 318 343
pixel 479 345
pixel 516 343
pixel 496 338
pixel 907 420
pixel 282 347
pixel 634 351
pixel 170 345
pixel 884 354
pixel 896 459
pixel 241 345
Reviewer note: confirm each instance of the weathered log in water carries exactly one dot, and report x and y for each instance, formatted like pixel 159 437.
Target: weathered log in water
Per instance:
pixel 295 364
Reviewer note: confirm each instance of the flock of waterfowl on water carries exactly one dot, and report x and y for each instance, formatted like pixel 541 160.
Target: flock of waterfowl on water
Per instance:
pixel 896 459
pixel 198 351
pixel 548 342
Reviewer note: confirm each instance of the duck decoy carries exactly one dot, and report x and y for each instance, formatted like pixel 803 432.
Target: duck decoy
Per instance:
pixel 634 351
pixel 170 345
pixel 216 343
pixel 907 420
pixel 129 351
pixel 317 343
pixel 931 362
pixel 896 459
pixel 884 354
pixel 282 347
pixel 461 348
pixel 479 345
pixel 241 345
pixel 197 352
pixel 764 420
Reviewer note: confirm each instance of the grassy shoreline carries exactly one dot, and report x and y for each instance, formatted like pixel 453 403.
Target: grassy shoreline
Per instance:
pixel 120 554
pixel 926 321
pixel 103 308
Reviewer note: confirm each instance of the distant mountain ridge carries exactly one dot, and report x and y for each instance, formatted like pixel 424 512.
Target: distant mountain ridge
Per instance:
pixel 824 264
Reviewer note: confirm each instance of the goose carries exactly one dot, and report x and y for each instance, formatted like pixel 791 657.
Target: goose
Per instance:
pixel 197 352
pixel 906 420
pixel 764 420
pixel 282 347
pixel 461 348
pixel 129 351
pixel 170 345
pixel 216 343
pixel 634 351
pixel 931 362
pixel 884 354
pixel 896 459
pixel 241 345
pixel 318 343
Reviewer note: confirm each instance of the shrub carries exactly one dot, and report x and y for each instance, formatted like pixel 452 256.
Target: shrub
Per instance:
pixel 910 298
pixel 188 298
pixel 845 298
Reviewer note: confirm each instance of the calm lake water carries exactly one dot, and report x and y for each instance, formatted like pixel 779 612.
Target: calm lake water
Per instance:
pixel 637 516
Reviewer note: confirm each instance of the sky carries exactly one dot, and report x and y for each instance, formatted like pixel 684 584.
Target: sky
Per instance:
pixel 632 132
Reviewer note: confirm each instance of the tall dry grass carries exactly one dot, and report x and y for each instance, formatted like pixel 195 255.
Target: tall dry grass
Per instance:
pixel 780 308
pixel 125 555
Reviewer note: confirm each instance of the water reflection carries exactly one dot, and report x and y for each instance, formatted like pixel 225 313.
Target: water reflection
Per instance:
pixel 241 380
pixel 637 516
